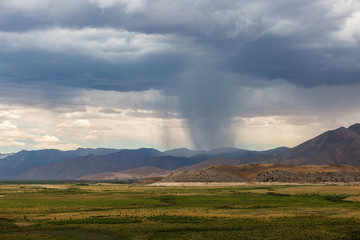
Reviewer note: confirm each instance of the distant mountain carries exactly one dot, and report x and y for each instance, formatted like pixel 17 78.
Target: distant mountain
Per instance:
pixel 237 155
pixel 229 153
pixel 240 154
pixel 209 163
pixel 150 152
pixel 184 152
pixel 56 164
pixel 340 146
pixel 227 158
pixel 73 168
pixel 355 128
pixel 224 150
pixel 103 165
pixel 181 152
pixel 94 151
pixel 5 155
pixel 23 161
pixel 275 150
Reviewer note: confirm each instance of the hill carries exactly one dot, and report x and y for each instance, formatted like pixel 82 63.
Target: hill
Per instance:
pixel 269 173
pixel 339 146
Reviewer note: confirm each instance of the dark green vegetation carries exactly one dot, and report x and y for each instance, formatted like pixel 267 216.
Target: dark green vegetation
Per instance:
pixel 114 211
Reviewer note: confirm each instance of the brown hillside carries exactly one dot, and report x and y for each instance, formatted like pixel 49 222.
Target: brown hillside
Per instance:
pixel 269 173
pixel 251 171
pixel 206 175
pixel 340 146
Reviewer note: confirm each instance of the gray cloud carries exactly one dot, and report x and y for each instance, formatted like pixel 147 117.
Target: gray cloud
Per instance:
pixel 291 41
pixel 200 52
pixel 109 111
pixel 279 58
pixel 71 70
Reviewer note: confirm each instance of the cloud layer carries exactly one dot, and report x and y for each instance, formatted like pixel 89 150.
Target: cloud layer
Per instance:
pixel 137 45
pixel 205 66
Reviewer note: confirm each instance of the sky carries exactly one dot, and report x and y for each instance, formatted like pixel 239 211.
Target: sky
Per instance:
pixel 167 74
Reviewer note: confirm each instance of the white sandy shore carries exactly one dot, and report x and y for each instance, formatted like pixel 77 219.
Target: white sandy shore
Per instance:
pixel 211 184
pixel 50 186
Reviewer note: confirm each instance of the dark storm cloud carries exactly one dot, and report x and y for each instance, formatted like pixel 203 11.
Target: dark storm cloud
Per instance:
pixel 200 51
pixel 277 58
pixel 30 15
pixel 39 67
pixel 246 37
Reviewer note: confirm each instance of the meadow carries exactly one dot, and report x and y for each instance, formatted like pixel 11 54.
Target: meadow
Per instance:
pixel 124 211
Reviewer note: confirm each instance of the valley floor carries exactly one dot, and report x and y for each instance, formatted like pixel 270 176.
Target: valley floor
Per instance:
pixel 116 211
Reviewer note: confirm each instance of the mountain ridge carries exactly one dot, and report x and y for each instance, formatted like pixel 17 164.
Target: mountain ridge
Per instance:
pixel 339 146
pixel 25 160
pixel 77 167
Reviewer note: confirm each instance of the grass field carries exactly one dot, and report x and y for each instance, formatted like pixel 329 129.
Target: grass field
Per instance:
pixel 118 211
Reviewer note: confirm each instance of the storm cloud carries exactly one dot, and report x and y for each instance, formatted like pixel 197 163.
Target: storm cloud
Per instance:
pixel 308 43
pixel 203 53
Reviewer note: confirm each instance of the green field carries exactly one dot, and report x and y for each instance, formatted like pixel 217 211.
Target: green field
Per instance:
pixel 119 211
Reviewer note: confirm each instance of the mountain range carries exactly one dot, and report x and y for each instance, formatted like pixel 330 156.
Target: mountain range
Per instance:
pixel 56 164
pixel 77 167
pixel 15 164
pixel 339 146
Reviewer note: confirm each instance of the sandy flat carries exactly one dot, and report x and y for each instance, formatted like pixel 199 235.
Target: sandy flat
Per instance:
pixel 210 184
pixel 50 186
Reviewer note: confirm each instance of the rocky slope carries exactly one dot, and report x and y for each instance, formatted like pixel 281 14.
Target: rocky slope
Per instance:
pixel 317 177
pixel 200 176
pixel 269 173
